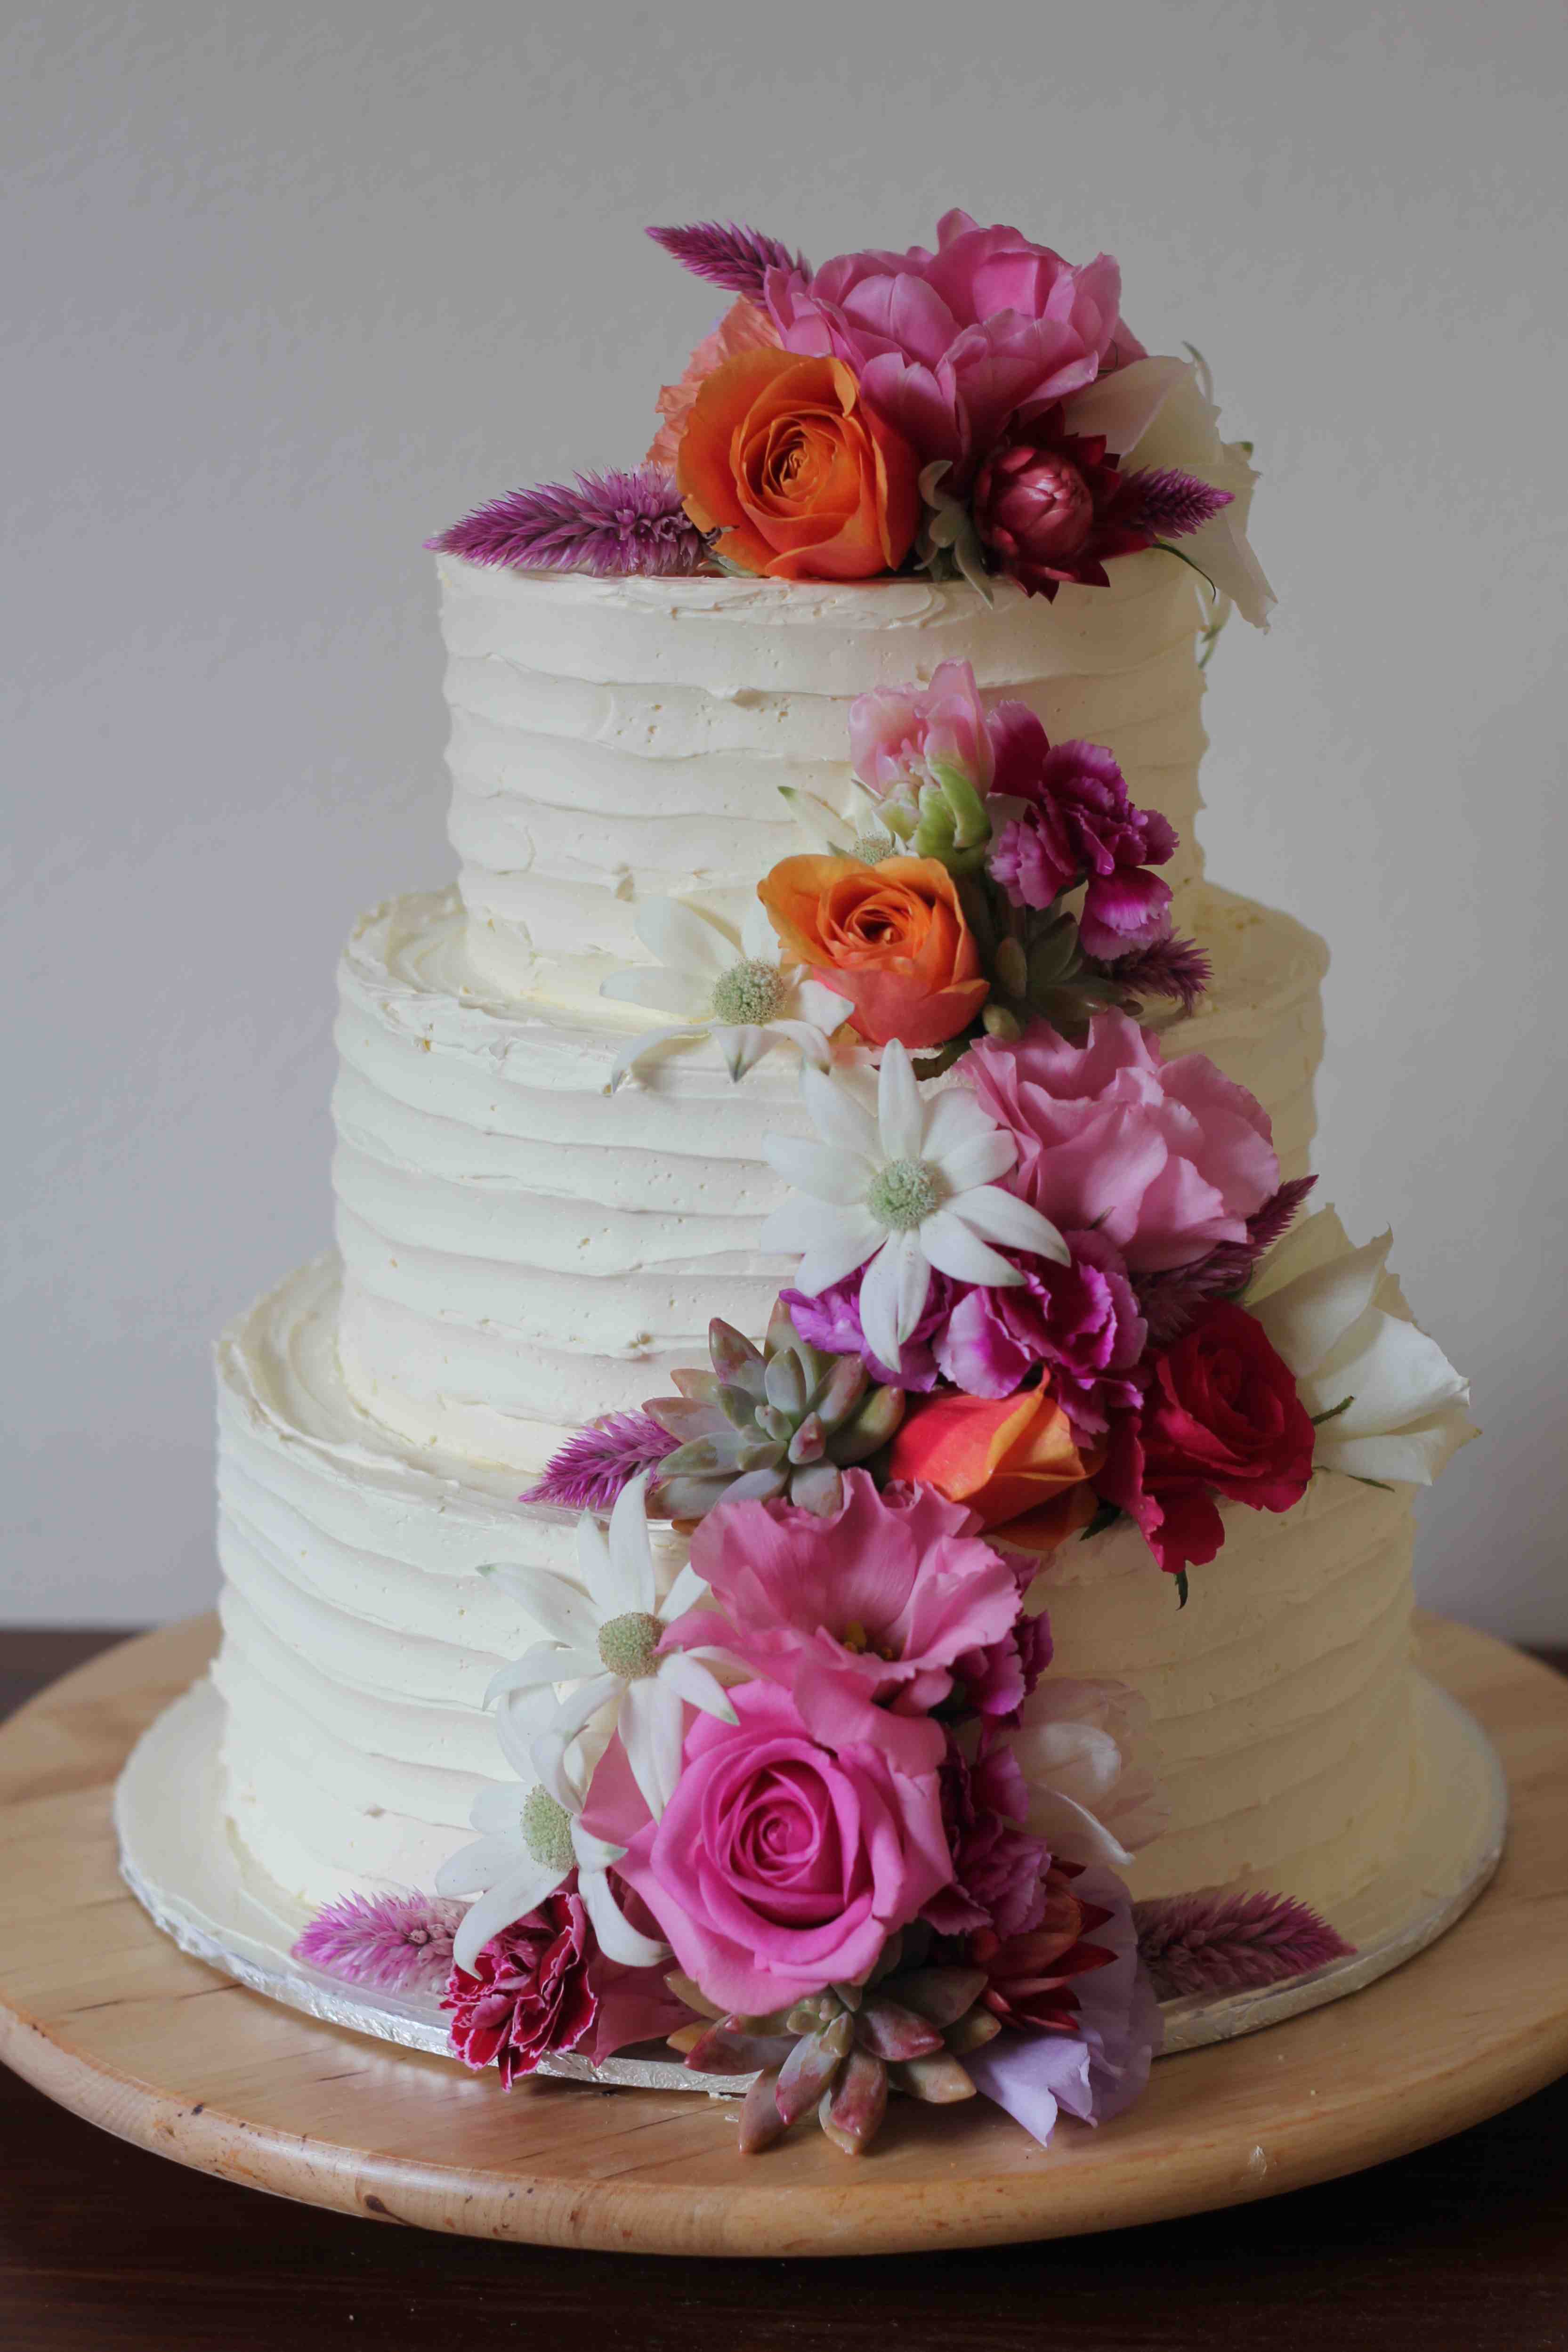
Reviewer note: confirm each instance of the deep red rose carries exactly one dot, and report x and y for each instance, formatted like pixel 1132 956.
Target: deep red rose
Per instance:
pixel 1220 1415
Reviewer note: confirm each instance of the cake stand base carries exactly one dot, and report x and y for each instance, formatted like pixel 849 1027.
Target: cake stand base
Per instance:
pixel 106 2015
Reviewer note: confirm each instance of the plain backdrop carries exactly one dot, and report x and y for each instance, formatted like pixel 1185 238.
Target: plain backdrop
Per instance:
pixel 292 287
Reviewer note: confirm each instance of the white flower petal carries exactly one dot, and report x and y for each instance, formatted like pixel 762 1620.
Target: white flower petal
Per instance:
pixel 498 1807
pixel 682 938
pixel 892 1295
pixel 809 1042
pixel 551 1757
pixel 641 1046
pixel 684 1594
pixel 562 1611
pixel 618 1940
pixel 573 1714
pixel 595 1853
pixel 1124 404
pixel 976 1160
pixel 953 1118
pixel 953 1249
pixel 651 1726
pixel 630 1557
pixel 510 1898
pixel 742 1045
pixel 821 1006
pixel 1305 1321
pixel 841 1113
pixel 831 1259
pixel 475 1867
pixel 521 1723
pixel 1001 1217
pixel 545 1664
pixel 690 999
pixel 758 940
pixel 1072 1831
pixel 817 1169
pixel 901 1120
pixel 1393 1373
pixel 1415 1456
pixel 690 1679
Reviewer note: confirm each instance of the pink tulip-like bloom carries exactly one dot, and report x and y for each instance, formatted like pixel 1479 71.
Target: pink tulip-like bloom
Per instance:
pixel 1164 1158
pixel 862 1614
pixel 780 1865
pixel 948 345
pixel 900 736
pixel 1078 822
pixel 1080 1321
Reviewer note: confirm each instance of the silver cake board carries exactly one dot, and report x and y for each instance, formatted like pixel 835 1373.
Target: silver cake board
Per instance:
pixel 180 1858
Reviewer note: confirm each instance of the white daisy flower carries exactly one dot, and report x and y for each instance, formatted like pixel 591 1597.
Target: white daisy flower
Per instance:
pixel 899 1183
pixel 605 1639
pixel 744 996
pixel 531 1838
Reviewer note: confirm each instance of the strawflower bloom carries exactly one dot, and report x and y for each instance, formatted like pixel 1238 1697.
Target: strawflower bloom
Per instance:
pixel 900 1185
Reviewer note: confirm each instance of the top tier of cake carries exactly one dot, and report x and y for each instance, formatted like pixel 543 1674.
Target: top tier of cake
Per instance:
pixel 615 740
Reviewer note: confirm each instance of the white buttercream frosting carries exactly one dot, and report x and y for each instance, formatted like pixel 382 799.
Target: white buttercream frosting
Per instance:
pixel 619 740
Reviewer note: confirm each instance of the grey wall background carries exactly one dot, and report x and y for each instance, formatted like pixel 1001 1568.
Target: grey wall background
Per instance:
pixel 292 286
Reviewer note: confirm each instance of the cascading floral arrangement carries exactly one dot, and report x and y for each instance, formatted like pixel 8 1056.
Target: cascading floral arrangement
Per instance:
pixel 980 411
pixel 819 1813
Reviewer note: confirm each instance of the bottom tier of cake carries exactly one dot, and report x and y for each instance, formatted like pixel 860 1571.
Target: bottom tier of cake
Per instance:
pixel 359 1639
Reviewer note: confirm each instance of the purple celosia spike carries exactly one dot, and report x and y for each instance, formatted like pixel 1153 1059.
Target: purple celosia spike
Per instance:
pixel 591 1468
pixel 1218 1942
pixel 1264 1227
pixel 727 255
pixel 1167 502
pixel 397 1942
pixel 604 523
pixel 1173 967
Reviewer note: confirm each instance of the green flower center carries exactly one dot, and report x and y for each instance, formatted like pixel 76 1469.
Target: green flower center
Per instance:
pixel 904 1193
pixel 628 1645
pixel 748 995
pixel 547 1832
pixel 870 848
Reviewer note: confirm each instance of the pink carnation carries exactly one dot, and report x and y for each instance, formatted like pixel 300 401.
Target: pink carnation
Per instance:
pixel 1164 1158
pixel 948 345
pixel 861 1614
pixel 998 1868
pixel 1077 823
pixel 1080 1321
pixel 898 735
pixel 780 1865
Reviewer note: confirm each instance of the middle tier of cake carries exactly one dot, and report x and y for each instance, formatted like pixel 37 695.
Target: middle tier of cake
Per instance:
pixel 524 1251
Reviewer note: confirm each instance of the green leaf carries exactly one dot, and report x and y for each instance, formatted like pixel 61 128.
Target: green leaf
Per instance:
pixel 1105 1517
pixel 1181 1588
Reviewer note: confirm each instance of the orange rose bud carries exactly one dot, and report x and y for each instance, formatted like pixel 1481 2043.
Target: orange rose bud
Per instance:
pixel 1013 1461
pixel 891 938
pixel 804 483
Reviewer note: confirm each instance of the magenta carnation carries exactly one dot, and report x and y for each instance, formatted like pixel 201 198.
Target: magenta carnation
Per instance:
pixel 831 1320
pixel 1164 1158
pixel 1081 1322
pixel 1079 825
pixel 780 1865
pixel 529 1991
pixel 948 345
pixel 861 1614
pixel 998 1867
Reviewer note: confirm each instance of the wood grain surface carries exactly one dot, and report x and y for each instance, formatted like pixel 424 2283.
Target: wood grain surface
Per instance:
pixel 1461 2237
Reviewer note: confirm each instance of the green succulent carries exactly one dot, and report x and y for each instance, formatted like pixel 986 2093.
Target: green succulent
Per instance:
pixel 784 1419
pixel 906 2028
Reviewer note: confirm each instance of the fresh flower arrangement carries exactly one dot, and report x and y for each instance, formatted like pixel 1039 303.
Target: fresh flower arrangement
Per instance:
pixel 982 411
pixel 817 1812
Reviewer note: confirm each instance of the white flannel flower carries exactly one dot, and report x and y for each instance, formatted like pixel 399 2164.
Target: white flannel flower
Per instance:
pixel 746 997
pixel 531 1838
pixel 899 1183
pixel 864 833
pixel 1387 1401
pixel 605 1641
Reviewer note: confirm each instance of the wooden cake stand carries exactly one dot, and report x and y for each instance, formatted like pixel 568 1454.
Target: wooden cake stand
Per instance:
pixel 105 2015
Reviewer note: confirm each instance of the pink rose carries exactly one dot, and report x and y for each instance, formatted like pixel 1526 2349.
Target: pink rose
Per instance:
pixel 1163 1159
pixel 948 345
pixel 861 1614
pixel 778 1866
pixel 899 735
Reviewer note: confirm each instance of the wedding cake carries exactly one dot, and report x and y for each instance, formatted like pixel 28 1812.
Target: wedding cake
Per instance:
pixel 545 1194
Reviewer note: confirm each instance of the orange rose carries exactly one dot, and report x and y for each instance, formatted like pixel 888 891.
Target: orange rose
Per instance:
pixel 891 938
pixel 804 482
pixel 742 327
pixel 1013 1462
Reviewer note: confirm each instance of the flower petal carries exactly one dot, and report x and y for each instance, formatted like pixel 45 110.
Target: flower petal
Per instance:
pixel 893 1295
pixel 651 1726
pixel 682 938
pixel 559 1608
pixel 572 1715
pixel 618 1940
pixel 546 1663
pixel 822 1007
pixel 522 1722
pixel 1001 1217
pixel 690 1678
pixel 976 1160
pixel 841 1114
pixel 684 1594
pixel 687 997
pixel 759 941
pixel 900 1122
pixel 641 1046
pixel 829 1260
pixel 817 1169
pixel 953 1249
pixel 508 1899
pixel 631 1584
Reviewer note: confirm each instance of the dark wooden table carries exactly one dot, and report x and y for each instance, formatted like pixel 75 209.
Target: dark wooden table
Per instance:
pixel 1463 2248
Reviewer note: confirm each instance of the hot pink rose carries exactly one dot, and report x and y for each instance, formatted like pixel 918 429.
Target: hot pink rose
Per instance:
pixel 948 345
pixel 778 1866
pixel 899 735
pixel 1164 1158
pixel 861 1614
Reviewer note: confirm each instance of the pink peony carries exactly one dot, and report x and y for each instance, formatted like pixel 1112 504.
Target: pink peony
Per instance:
pixel 899 736
pixel 742 327
pixel 1079 822
pixel 778 1866
pixel 949 345
pixel 1164 1158
pixel 861 1614
pixel 998 1868
pixel 1080 1321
